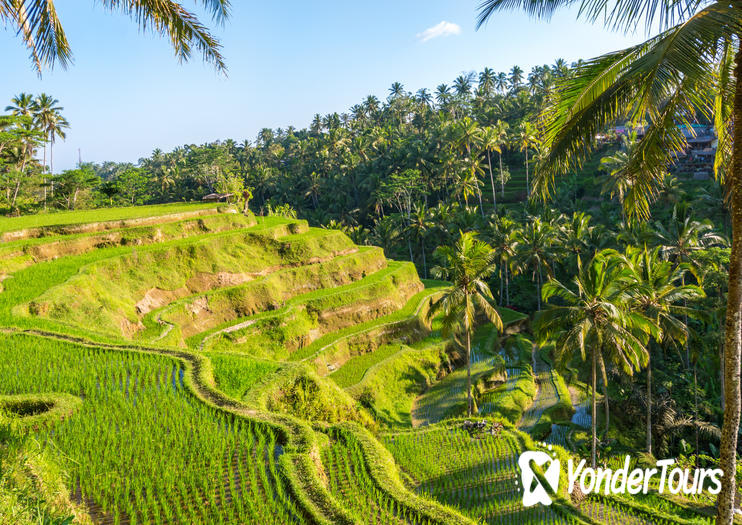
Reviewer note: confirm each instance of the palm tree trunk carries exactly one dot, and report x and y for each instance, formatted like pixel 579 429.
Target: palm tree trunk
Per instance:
pixel 492 181
pixel 481 206
pixel 502 181
pixel 502 283
pixel 649 405
pixel 607 407
pixel 538 294
pixel 733 335
pixel 595 415
pixel 468 372
pixel 507 286
pixel 528 189
pixel 721 374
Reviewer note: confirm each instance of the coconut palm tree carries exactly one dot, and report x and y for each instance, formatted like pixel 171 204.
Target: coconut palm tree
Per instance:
pixel 40 28
pixel 595 319
pixel 22 105
pixel 467 265
pixel 491 142
pixel 503 238
pixel 621 182
pixel 690 66
pixel 420 225
pixel 525 140
pixel 515 77
pixel 487 81
pixel 656 292
pixel 501 130
pixel 48 117
pixel 533 251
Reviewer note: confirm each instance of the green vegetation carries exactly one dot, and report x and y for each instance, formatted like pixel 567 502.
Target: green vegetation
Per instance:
pixel 50 223
pixel 184 461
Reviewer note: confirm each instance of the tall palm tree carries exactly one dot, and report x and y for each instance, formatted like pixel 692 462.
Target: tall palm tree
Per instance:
pixel 462 84
pixel 40 28
pixel 656 292
pixel 48 117
pixel 491 142
pixel 525 140
pixel 420 225
pixel 690 66
pixel 22 105
pixel 467 265
pixel 501 81
pixel 503 238
pixel 533 251
pixel 621 182
pixel 396 90
pixel 595 319
pixel 487 81
pixel 515 77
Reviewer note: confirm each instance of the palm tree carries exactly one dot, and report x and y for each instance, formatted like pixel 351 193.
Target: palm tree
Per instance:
pixel 48 117
pixel 487 81
pixel 503 238
pixel 420 225
pixel 467 265
pixel 492 141
pixel 462 85
pixel 533 250
pixel 37 23
pixel 515 78
pixel 577 235
pixel 690 66
pixel 621 182
pixel 525 140
pixel 22 105
pixel 595 319
pixel 501 128
pixel 501 81
pixel 397 90
pixel 442 94
pixel 684 237
pixel 655 293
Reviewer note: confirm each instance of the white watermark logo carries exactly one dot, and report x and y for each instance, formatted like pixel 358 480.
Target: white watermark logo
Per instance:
pixel 534 494
pixel 609 481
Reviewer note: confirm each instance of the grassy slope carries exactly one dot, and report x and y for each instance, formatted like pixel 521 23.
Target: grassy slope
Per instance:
pixel 41 220
pixel 106 292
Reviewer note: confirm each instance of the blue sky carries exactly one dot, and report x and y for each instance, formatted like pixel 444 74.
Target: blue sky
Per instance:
pixel 126 94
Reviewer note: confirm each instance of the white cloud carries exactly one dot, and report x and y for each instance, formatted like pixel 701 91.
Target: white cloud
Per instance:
pixel 442 29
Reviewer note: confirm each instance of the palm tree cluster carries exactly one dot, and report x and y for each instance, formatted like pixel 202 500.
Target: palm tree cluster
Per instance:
pixel 32 123
pixel 689 70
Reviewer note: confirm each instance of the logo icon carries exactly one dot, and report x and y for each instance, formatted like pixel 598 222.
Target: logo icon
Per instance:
pixel 535 493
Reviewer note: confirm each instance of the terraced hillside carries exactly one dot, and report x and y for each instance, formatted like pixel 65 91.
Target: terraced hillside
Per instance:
pixel 189 364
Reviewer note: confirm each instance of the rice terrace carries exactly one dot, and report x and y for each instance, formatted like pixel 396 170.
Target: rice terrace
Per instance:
pixel 410 263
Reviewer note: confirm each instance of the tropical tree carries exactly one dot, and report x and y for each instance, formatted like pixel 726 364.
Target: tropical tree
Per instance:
pixel 420 225
pixel 526 139
pixel 515 77
pixel 503 237
pixel 595 319
pixel 491 141
pixel 692 65
pixel 40 28
pixel 655 292
pixel 22 105
pixel 620 181
pixel 466 265
pixel 533 251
